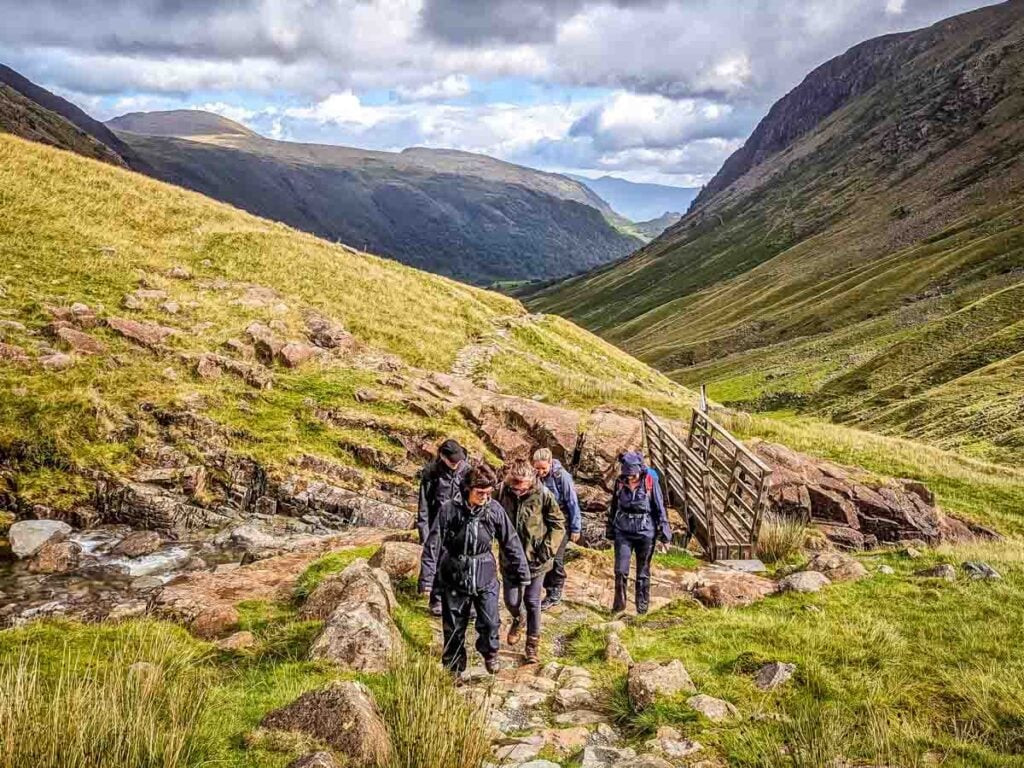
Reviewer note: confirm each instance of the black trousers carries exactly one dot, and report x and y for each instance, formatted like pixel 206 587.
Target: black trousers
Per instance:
pixel 516 595
pixel 455 609
pixel 554 580
pixel 628 544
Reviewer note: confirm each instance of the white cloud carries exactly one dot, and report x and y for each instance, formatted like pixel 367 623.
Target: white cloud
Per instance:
pixel 895 7
pixel 450 87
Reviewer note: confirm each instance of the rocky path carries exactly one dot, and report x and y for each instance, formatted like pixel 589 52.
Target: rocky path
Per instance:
pixel 472 358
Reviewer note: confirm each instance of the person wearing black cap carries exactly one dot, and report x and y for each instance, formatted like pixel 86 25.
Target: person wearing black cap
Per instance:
pixel 636 517
pixel 459 552
pixel 439 483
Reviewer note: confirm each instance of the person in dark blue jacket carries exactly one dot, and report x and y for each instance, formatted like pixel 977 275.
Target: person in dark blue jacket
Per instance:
pixel 557 480
pixel 458 551
pixel 439 483
pixel 636 518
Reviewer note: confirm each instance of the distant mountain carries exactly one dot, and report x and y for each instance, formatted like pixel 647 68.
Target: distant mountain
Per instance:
pixel 43 99
pixel 454 213
pixel 862 256
pixel 651 229
pixel 640 202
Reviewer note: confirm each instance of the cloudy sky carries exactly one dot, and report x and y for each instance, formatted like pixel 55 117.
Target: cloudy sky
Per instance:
pixel 649 90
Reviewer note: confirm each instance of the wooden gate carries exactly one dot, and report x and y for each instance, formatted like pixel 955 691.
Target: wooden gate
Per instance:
pixel 713 480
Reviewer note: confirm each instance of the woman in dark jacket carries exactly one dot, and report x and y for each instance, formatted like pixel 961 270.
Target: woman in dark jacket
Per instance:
pixel 458 550
pixel 538 520
pixel 636 517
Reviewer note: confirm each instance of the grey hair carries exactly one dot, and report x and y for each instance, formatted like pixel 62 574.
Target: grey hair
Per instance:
pixel 542 454
pixel 520 469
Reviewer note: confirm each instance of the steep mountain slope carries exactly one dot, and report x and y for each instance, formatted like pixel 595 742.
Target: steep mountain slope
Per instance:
pixel 23 117
pixel 640 202
pixel 651 229
pixel 453 213
pixel 171 284
pixel 875 215
pixel 45 100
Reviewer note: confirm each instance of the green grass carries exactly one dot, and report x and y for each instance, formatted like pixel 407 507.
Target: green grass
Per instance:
pixel 328 565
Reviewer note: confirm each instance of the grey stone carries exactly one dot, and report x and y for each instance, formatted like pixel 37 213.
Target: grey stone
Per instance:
pixel 772 675
pixel 28 536
pixel 713 709
pixel 315 760
pixel 804 581
pixel 650 679
pixel 597 756
pixel 979 570
pixel 943 571
pixel 886 570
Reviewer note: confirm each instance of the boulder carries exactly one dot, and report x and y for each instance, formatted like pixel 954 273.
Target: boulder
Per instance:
pixel 295 353
pixel 249 537
pixel 345 717
pixel 650 679
pixel 360 637
pixel 979 570
pixel 837 566
pixel 79 342
pixel 28 536
pixel 943 571
pixel 214 621
pixel 58 361
pixel 713 709
pixel 327 333
pixel 615 650
pixel 398 559
pixel 772 675
pixel 804 581
pixel 358 584
pixel 138 544
pixel 146 334
pixel 722 588
pixel 56 557
pixel 239 641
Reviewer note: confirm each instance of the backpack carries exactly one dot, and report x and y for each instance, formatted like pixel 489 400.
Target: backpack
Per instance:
pixel 648 482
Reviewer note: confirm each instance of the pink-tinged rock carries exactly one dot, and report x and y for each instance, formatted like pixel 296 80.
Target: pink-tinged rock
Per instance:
pixel 12 354
pixel 296 353
pixel 82 343
pixel 146 334
pixel 57 361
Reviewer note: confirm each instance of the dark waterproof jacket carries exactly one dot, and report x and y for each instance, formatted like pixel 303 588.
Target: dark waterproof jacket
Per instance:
pixel 458 549
pixel 539 523
pixel 638 512
pixel 559 482
pixel 439 484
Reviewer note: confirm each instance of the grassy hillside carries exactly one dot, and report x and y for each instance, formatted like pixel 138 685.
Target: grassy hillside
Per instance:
pixel 865 262
pixel 462 215
pixel 72 230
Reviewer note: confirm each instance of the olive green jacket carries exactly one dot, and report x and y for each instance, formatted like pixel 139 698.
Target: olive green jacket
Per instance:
pixel 540 523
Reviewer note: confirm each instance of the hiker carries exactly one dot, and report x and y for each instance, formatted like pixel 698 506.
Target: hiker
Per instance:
pixel 439 483
pixel 537 519
pixel 557 480
pixel 458 551
pixel 636 517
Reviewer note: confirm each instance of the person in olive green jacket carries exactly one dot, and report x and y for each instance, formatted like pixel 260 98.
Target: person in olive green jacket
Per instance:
pixel 540 523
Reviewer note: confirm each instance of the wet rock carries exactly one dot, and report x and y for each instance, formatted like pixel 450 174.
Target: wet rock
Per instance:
pixel 978 570
pixel 804 581
pixel 650 679
pixel 398 559
pixel 239 641
pixel 713 709
pixel 943 571
pixel 147 334
pixel 772 675
pixel 837 566
pixel 27 537
pixel 357 584
pixel 315 760
pixel 79 342
pixel 58 361
pixel 344 716
pixel 56 557
pixel 138 544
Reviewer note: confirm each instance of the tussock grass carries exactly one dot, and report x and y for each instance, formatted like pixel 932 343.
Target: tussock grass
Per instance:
pixel 431 723
pixel 64 711
pixel 780 537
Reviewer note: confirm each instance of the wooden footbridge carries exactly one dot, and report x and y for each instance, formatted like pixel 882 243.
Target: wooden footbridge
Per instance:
pixel 716 483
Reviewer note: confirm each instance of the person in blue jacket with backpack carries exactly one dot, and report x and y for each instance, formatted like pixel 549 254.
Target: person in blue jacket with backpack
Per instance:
pixel 636 518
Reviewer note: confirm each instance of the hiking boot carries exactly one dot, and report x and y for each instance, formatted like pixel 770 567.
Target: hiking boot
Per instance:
pixel 643 596
pixel 492 665
pixel 435 607
pixel 553 598
pixel 515 632
pixel 621 582
pixel 532 649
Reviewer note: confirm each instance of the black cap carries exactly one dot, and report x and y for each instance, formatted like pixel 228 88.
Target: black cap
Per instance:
pixel 452 451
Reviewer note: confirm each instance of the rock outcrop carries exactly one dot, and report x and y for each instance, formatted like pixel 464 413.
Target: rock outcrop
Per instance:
pixel 27 537
pixel 648 680
pixel 344 716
